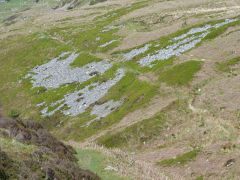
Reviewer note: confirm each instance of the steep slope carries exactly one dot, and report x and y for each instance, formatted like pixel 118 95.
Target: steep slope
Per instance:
pixel 157 81
pixel 29 152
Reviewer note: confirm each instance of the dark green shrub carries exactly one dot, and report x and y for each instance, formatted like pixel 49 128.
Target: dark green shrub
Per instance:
pixel 13 113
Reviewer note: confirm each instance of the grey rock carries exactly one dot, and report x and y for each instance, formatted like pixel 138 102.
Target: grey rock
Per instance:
pixel 58 72
pixel 178 45
pixel 107 43
pixel 136 52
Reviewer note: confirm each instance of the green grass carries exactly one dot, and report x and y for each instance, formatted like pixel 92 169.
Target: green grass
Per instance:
pixel 113 15
pixel 225 66
pixel 165 41
pixel 96 162
pixel 136 134
pixel 84 36
pixel 199 178
pixel 180 74
pixel 134 94
pixel 221 30
pixel 83 59
pixel 16 62
pixel 13 113
pixel 14 6
pixel 20 54
pixel 180 159
pixel 7 7
pixel 146 130
pixel 16 149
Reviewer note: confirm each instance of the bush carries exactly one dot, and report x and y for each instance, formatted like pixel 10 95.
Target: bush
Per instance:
pixel 13 113
pixel 69 8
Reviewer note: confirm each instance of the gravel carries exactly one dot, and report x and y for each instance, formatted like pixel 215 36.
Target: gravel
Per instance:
pixel 58 71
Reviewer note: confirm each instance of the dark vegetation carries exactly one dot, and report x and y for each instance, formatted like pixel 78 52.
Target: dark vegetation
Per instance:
pixel 13 113
pixel 29 152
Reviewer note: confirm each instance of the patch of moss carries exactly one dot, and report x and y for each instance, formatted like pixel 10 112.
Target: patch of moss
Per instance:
pixel 225 66
pixel 13 113
pixel 83 59
pixel 96 162
pixel 199 178
pixel 180 74
pixel 216 32
pixel 180 159
pixel 136 134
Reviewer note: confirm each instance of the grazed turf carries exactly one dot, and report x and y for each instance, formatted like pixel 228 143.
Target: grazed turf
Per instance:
pixel 136 134
pixel 85 38
pixel 96 162
pixel 180 159
pixel 226 65
pixel 180 74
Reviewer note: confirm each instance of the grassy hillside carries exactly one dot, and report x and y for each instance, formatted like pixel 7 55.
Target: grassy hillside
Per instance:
pixel 154 80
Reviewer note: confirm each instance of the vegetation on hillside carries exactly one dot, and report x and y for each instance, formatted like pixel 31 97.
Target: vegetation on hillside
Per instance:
pixel 28 151
pixel 178 114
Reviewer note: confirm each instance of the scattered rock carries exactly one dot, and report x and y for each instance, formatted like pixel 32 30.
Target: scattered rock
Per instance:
pixel 229 163
pixel 50 174
pixel 94 73
pixel 182 44
pixel 110 168
pixel 136 52
pixel 57 72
